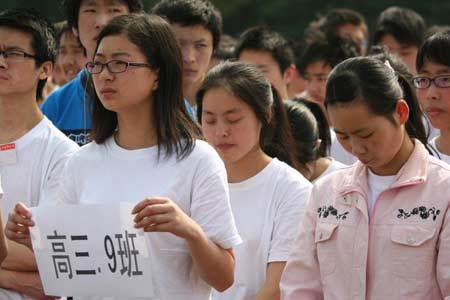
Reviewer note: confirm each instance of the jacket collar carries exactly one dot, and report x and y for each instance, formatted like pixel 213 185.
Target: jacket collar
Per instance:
pixel 414 171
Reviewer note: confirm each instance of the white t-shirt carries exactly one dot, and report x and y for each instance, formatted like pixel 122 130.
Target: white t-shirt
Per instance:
pixel 335 165
pixel 442 156
pixel 377 184
pixel 267 208
pixel 107 173
pixel 34 178
pixel 338 152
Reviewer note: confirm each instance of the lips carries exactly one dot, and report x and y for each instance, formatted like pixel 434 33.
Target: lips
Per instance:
pixel 3 77
pixel 107 91
pixel 190 72
pixel 224 146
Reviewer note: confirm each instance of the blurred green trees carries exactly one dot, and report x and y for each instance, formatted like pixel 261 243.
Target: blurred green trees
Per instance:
pixel 287 16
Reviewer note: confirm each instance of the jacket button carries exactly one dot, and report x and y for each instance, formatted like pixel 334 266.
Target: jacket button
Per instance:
pixel 410 240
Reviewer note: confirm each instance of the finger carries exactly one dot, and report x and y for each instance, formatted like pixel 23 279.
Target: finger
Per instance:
pixel 162 227
pixel 149 201
pixel 17 235
pixel 153 220
pixel 20 219
pixel 17 229
pixel 151 210
pixel 23 210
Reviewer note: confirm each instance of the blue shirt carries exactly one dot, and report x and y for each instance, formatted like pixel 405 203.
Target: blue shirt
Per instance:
pixel 69 109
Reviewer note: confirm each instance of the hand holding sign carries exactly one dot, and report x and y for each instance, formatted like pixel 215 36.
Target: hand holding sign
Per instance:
pixel 163 215
pixel 17 228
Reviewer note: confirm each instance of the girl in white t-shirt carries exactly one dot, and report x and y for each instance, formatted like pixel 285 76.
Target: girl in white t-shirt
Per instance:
pixel 146 150
pixel 238 112
pixel 311 132
pixel 433 88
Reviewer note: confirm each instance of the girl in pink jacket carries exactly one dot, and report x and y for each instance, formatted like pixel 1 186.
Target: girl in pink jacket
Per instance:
pixel 379 229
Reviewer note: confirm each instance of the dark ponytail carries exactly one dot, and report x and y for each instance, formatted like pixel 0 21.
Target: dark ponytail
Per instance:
pixel 379 86
pixel 246 82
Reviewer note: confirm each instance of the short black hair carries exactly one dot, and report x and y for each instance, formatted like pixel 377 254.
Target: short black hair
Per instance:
pixel 436 48
pixel 192 13
pixel 264 39
pixel 41 31
pixel 404 24
pixel 61 28
pixel 331 51
pixel 72 9
pixel 225 49
pixel 330 22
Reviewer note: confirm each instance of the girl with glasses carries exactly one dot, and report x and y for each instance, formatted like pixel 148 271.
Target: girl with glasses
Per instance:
pixel 147 150
pixel 433 88
pixel 238 113
pixel 379 229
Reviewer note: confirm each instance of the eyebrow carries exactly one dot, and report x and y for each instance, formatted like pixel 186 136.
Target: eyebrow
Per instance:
pixel 114 55
pixel 439 71
pixel 228 112
pixel 353 132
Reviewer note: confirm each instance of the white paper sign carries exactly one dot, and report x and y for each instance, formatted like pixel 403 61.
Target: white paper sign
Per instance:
pixel 91 250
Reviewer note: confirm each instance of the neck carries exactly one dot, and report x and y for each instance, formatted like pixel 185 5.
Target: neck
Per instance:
pixel 443 141
pixel 284 93
pixel 18 115
pixel 402 156
pixel 250 165
pixel 190 91
pixel 136 128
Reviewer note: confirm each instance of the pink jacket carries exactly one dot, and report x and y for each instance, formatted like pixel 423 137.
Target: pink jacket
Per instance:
pixel 402 252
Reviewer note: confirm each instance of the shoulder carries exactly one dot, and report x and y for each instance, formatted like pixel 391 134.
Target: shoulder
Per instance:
pixel 203 154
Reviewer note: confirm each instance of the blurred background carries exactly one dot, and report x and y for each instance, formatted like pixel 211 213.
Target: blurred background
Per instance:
pixel 290 17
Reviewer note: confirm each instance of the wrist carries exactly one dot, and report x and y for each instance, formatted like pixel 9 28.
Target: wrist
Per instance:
pixel 195 235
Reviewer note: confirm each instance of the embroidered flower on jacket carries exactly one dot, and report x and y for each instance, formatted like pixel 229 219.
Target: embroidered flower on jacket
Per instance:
pixel 421 211
pixel 326 211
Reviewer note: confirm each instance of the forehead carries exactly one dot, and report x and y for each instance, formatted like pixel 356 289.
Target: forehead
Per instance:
pixel 117 44
pixel 261 58
pixel 101 3
pixel 318 67
pixel 392 43
pixel 352 30
pixel 11 37
pixel 352 116
pixel 219 100
pixel 431 67
pixel 191 33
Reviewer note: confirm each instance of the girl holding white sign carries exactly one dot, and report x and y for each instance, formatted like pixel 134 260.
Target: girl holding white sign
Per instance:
pixel 146 149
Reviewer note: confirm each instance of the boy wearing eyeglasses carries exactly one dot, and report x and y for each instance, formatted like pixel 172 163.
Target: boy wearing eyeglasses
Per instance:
pixel 32 151
pixel 69 107
pixel 433 88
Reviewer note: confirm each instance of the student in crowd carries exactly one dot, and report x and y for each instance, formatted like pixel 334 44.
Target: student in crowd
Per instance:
pixel 224 50
pixel 3 244
pixel 297 85
pixel 312 138
pixel 433 88
pixel 402 31
pixel 197 25
pixel 341 22
pixel 145 138
pixel 69 107
pixel 236 111
pixel 272 53
pixel 380 228
pixel 317 61
pixel 71 57
pixel 32 151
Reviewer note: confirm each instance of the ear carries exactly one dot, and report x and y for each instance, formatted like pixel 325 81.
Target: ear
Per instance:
pixel 75 32
pixel 45 70
pixel 156 82
pixel 402 111
pixel 289 73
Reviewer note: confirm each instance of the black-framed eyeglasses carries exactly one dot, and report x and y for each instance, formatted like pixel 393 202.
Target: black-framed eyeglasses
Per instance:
pixel 423 82
pixel 16 55
pixel 113 66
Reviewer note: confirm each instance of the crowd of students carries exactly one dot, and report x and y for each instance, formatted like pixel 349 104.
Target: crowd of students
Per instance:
pixel 259 167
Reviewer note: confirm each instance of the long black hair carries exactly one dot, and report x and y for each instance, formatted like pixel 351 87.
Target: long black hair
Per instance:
pixel 377 85
pixel 176 131
pixel 246 82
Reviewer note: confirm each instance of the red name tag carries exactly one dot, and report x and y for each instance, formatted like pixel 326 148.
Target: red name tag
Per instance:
pixel 8 154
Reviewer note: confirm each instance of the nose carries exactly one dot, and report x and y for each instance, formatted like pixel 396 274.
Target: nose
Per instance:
pixel 432 93
pixel 358 148
pixel 3 63
pixel 105 74
pixel 221 129
pixel 102 20
pixel 188 54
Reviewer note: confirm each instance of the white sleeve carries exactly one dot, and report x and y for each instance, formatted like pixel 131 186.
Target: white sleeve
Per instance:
pixel 292 199
pixel 68 185
pixel 210 206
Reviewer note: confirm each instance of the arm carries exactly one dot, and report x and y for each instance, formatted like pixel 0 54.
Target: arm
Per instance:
pixel 20 258
pixel 215 264
pixel 271 288
pixel 26 283
pixel 3 245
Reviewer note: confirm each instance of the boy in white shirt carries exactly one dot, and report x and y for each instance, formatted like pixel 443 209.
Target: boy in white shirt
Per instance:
pixel 32 151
